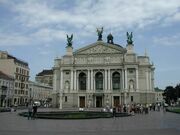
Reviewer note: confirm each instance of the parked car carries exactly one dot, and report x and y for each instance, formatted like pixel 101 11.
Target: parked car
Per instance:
pixel 37 103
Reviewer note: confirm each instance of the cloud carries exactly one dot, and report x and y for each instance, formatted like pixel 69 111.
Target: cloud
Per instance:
pixel 172 18
pixel 50 21
pixel 172 40
pixel 41 36
pixel 114 14
pixel 14 39
pixel 48 35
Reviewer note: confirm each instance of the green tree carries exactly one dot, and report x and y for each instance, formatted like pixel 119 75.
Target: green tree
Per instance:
pixel 177 90
pixel 170 94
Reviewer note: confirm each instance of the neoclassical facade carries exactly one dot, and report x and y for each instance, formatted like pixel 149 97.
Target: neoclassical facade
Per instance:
pixel 101 74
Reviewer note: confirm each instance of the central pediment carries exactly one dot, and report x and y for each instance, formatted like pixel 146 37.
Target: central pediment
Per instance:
pixel 101 47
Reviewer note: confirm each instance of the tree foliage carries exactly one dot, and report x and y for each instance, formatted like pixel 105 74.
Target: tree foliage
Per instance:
pixel 171 94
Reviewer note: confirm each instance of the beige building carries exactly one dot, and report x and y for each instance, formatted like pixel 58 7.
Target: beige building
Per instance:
pixel 19 69
pixel 101 74
pixel 46 77
pixel 39 91
pixel 6 90
pixel 159 95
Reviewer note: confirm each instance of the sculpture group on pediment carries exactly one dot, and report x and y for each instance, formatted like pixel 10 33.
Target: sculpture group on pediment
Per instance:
pixel 99 33
pixel 110 39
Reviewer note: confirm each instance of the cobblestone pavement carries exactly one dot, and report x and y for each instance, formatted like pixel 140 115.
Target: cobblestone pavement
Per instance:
pixel 154 123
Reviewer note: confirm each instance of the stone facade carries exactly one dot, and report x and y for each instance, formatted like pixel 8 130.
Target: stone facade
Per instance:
pixel 19 70
pixel 39 91
pixel 102 74
pixel 46 77
pixel 6 90
pixel 159 95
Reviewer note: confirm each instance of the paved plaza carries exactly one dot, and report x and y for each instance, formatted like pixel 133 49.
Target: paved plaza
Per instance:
pixel 154 123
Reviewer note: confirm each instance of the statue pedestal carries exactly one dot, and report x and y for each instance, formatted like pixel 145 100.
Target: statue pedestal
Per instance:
pixel 69 50
pixel 130 48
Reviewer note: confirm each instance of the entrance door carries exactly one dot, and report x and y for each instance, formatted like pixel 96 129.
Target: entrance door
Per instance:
pixel 82 102
pixel 99 101
pixel 116 101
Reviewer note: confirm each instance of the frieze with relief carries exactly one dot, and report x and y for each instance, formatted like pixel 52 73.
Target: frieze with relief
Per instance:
pixel 99 49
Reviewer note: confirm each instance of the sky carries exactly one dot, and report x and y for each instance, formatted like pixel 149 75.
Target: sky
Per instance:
pixel 35 30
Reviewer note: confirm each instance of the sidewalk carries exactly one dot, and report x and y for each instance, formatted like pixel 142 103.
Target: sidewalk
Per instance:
pixel 156 123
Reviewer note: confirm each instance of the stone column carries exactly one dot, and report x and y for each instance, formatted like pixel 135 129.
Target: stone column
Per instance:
pixel 92 80
pixel 55 82
pixel 88 80
pixel 60 99
pixel 147 81
pixel 61 80
pixel 71 80
pixel 137 80
pixel 61 91
pixel 105 78
pixel 109 79
pixel 125 96
pixel 150 81
pixel 122 80
pixel 125 76
pixel 75 79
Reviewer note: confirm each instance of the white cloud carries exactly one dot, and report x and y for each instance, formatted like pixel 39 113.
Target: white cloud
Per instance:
pixel 114 14
pixel 13 40
pixel 42 36
pixel 172 40
pixel 48 35
pixel 50 22
pixel 172 18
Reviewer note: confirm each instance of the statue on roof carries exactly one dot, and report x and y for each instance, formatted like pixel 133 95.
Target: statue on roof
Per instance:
pixel 99 32
pixel 129 38
pixel 110 39
pixel 69 40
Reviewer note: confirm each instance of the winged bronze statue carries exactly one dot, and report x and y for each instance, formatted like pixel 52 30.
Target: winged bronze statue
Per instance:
pixel 129 38
pixel 69 40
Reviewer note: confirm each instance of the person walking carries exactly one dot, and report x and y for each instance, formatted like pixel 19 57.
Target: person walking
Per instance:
pixel 34 111
pixel 30 111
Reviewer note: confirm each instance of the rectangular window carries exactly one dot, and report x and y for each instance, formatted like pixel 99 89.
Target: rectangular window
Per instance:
pixel 65 98
pixel 17 70
pixel 67 73
pixel 131 98
pixel 16 84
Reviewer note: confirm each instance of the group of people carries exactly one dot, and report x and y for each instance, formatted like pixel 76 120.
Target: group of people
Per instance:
pixel 138 108
pixel 32 111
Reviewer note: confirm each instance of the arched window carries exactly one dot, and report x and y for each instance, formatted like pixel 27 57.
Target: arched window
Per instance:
pixel 116 81
pixel 82 81
pixel 99 81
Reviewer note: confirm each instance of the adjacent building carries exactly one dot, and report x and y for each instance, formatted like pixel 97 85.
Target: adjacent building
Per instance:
pixel 6 90
pixel 101 74
pixel 39 91
pixel 159 95
pixel 19 70
pixel 46 77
